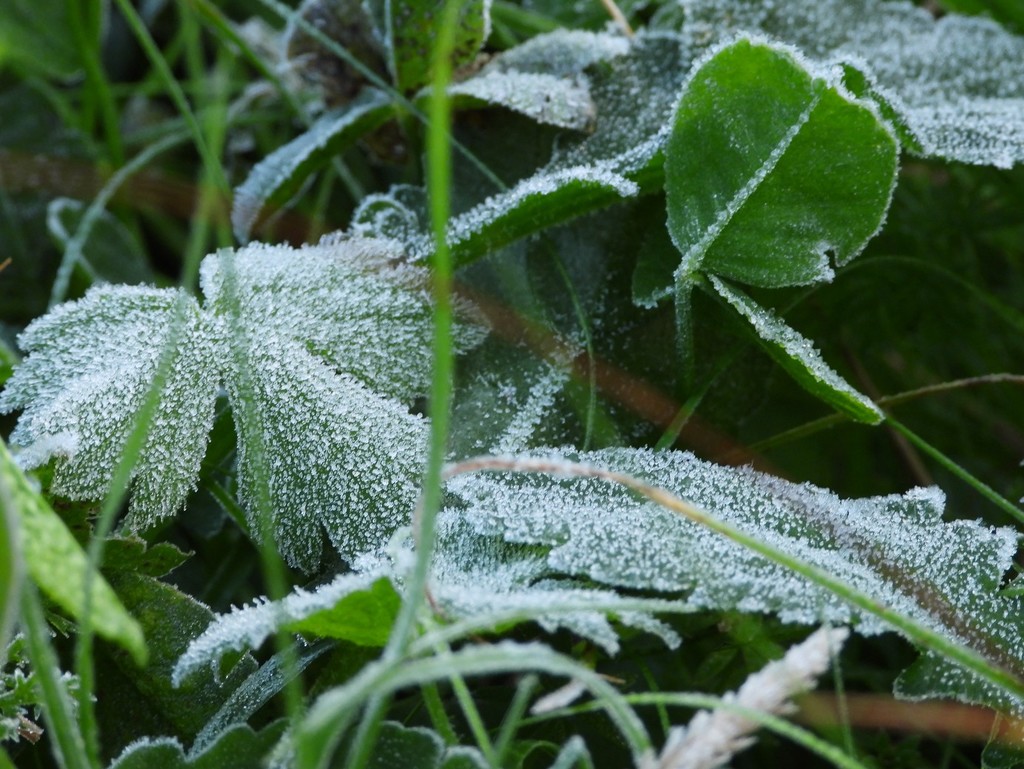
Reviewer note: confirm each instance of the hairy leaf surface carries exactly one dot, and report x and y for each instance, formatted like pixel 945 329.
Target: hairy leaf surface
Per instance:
pixel 474 577
pixel 957 83
pixel 321 351
pixel 896 549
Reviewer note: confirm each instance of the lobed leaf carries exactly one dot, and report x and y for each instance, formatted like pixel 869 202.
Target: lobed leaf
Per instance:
pixel 321 350
pixel 895 549
pixel 771 166
pixel 477 578
pixel 89 368
pixel 238 747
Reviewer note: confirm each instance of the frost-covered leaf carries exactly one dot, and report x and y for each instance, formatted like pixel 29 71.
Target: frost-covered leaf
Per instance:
pixel 364 617
pixel 236 748
pixel 473 576
pixel 895 549
pixel 635 95
pixel 771 167
pixel 321 350
pixel 544 77
pixel 798 356
pixel 546 197
pixel 257 690
pixel 326 357
pixel 545 98
pixel 276 178
pixel 57 564
pixel 248 627
pixel 957 83
pixel 87 374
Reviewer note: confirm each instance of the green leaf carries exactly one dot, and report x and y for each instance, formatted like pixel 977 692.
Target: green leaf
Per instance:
pixel 419 748
pixel 364 617
pixel 414 747
pixel 322 350
pixel 411 29
pixel 276 178
pixel 798 356
pixel 258 689
pixel 135 554
pixel 957 83
pixel 770 168
pixel 189 706
pixel 56 563
pixel 39 36
pixel 236 748
pixel 544 78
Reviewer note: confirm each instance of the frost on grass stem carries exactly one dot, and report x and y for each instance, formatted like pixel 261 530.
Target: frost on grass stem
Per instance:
pixel 712 739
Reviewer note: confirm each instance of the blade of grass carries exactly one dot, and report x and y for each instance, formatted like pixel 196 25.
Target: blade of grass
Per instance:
pixel 86 28
pixel 69 749
pixel 329 718
pixel 271 562
pixel 438 716
pixel 439 149
pixel 817 425
pixel 513 717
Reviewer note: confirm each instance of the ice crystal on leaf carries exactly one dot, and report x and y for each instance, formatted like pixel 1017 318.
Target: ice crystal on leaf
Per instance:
pixel 956 84
pixel 321 351
pixel 473 577
pixel 896 549
pixel 87 374
pixel 544 77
